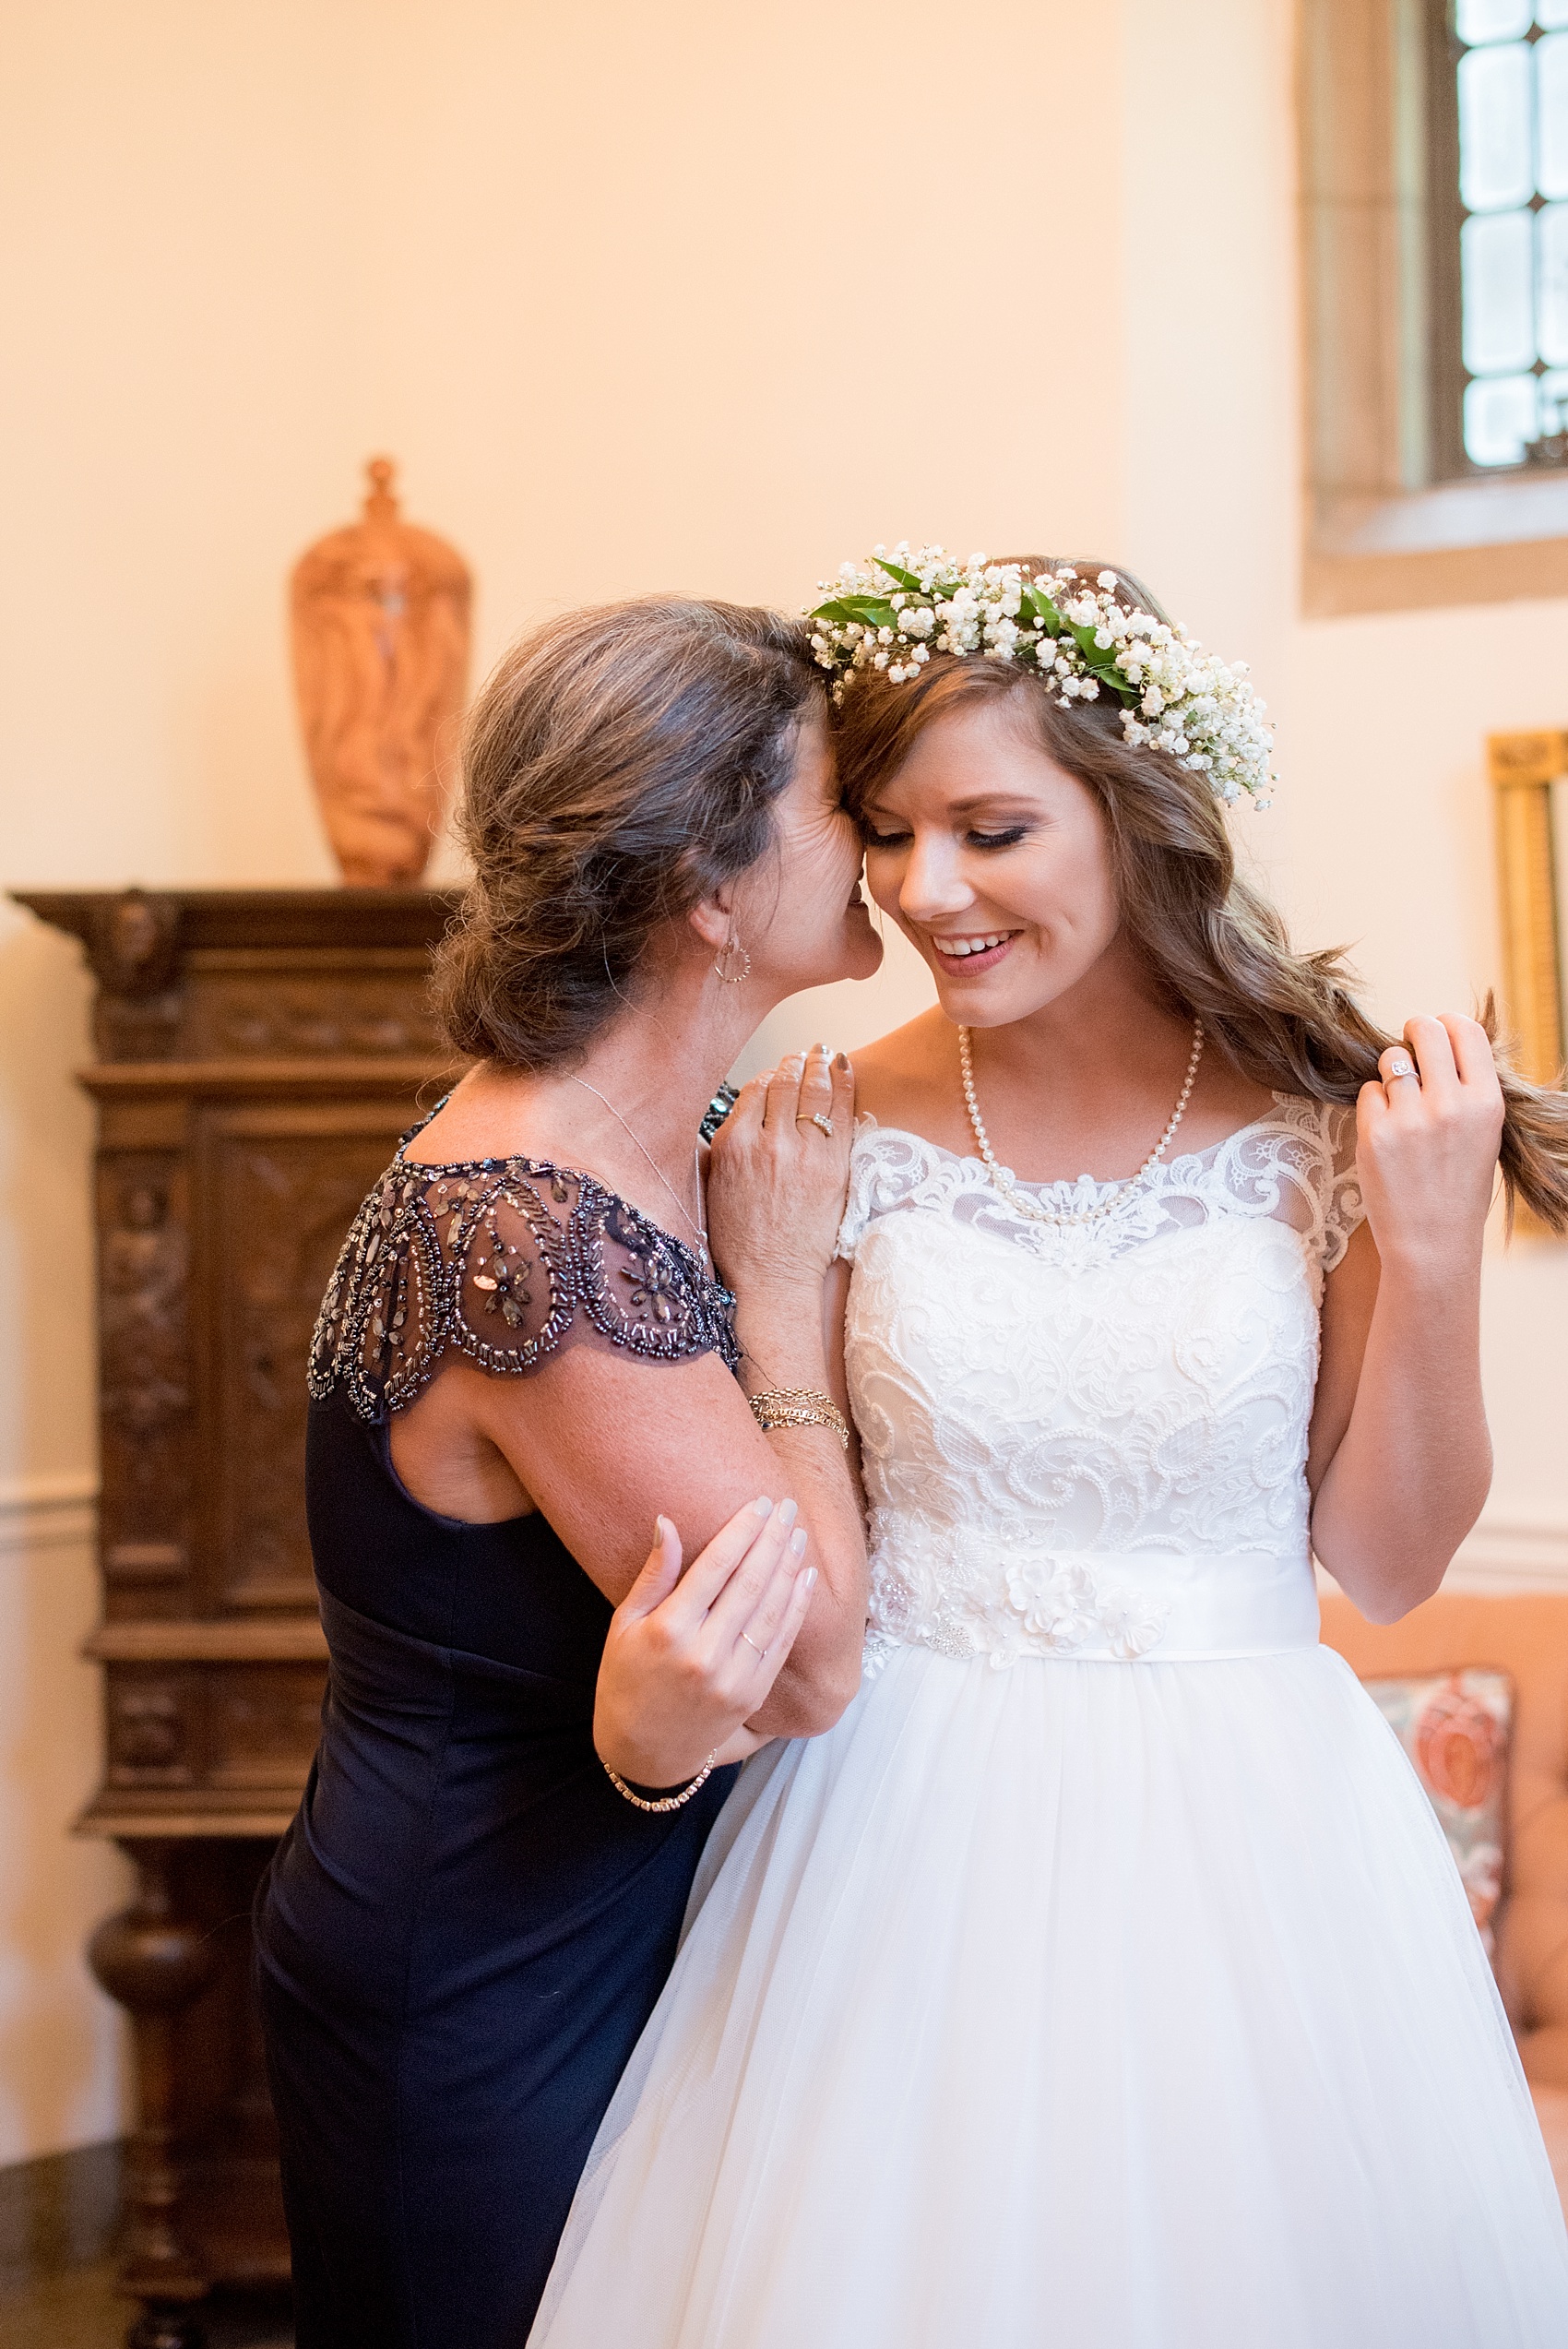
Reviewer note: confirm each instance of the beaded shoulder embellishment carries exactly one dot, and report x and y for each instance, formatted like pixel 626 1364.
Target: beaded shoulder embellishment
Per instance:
pixel 498 1258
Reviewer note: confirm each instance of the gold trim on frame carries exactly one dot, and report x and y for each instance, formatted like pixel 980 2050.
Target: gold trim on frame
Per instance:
pixel 1524 768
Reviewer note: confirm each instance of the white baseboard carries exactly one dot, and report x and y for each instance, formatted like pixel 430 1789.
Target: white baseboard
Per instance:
pixel 1509 1555
pixel 1503 1555
pixel 47 1512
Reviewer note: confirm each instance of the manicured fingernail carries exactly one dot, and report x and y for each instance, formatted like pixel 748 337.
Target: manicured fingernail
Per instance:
pixel 764 1506
pixel 659 1533
pixel 788 1512
pixel 798 1543
pixel 809 1577
pixel 841 1060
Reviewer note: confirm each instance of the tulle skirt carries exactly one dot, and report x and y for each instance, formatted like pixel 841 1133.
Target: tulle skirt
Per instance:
pixel 1074 2005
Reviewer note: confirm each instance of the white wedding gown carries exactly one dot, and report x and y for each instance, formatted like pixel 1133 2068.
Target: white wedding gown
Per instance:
pixel 1103 1979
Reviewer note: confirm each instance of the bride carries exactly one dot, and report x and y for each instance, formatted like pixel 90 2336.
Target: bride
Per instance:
pixel 1103 1978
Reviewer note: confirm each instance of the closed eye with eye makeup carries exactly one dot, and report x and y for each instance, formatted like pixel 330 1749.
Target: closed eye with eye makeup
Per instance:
pixel 882 832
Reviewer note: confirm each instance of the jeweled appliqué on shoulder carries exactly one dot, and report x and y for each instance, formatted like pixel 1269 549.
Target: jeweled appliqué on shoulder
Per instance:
pixel 504 1261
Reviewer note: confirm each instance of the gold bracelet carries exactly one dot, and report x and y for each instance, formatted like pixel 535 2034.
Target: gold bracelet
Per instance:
pixel 799 1407
pixel 665 1802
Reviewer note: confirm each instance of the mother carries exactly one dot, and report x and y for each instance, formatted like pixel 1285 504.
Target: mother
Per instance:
pixel 524 1352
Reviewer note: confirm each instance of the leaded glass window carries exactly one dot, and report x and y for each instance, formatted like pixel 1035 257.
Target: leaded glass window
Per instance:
pixel 1508 108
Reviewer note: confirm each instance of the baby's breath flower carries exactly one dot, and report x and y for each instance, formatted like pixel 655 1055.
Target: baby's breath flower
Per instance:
pixel 894 613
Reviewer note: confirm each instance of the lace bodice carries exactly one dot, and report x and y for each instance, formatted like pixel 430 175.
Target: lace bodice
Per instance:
pixel 1041 1406
pixel 507 1260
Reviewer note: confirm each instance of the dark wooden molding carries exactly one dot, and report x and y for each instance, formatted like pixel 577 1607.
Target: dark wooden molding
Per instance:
pixel 298 1638
pixel 350 920
pixel 327 1079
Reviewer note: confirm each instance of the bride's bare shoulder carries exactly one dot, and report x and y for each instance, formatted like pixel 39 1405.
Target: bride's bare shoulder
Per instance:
pixel 910 1078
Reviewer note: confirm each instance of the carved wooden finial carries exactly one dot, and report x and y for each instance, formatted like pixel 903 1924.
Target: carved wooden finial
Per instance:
pixel 380 505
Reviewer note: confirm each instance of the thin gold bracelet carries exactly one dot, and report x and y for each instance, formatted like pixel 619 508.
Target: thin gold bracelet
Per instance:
pixel 664 1802
pixel 799 1407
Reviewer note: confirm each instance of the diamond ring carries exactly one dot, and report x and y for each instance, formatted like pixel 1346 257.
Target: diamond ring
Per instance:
pixel 1398 1068
pixel 826 1123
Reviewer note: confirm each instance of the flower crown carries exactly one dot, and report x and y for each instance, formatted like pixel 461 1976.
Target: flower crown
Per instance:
pixel 893 613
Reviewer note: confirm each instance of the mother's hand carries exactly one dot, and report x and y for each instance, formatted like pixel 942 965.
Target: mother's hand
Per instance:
pixel 1426 1140
pixel 691 1656
pixel 777 1173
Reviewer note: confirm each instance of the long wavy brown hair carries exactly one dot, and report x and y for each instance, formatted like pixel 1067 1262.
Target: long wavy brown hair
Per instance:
pixel 1213 943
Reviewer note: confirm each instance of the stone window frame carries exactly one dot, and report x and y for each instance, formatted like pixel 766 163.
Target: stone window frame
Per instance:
pixel 1380 534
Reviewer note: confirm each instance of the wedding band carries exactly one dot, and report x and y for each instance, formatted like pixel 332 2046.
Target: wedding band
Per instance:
pixel 752 1645
pixel 824 1121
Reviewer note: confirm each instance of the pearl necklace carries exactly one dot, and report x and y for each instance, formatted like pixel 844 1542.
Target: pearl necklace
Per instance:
pixel 1032 1208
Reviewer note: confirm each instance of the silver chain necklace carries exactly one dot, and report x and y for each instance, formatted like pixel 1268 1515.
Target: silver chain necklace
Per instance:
pixel 699 1227
pixel 1032 1208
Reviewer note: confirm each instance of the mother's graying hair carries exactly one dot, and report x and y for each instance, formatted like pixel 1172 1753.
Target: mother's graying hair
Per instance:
pixel 1215 946
pixel 619 766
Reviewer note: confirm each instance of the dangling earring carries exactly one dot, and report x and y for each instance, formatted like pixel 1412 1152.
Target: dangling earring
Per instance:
pixel 720 962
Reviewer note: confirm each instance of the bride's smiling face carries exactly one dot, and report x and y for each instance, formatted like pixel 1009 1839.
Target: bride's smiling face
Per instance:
pixel 996 863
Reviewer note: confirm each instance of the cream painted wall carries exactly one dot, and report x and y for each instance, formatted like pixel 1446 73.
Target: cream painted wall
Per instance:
pixel 703 296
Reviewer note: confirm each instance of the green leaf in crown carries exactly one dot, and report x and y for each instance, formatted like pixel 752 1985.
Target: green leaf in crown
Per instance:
pixel 906 579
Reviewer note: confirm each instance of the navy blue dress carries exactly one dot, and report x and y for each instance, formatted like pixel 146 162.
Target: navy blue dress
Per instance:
pixel 466 1927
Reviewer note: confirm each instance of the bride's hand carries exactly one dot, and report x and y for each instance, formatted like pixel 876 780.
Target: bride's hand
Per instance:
pixel 777 1175
pixel 690 1657
pixel 1426 1140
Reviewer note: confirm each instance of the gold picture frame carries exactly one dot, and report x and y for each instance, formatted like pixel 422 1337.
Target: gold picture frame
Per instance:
pixel 1529 776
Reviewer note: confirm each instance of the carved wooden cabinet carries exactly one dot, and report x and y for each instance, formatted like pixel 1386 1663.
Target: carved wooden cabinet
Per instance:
pixel 259 1053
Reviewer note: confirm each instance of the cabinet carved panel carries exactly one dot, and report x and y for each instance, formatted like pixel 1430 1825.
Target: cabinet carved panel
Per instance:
pixel 258 1054
pixel 365 1015
pixel 145 1401
pixel 150 1740
pixel 281 1201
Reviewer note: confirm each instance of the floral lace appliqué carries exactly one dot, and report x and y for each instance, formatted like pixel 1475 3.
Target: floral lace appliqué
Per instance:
pixel 1062 1602
pixel 1297 1163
